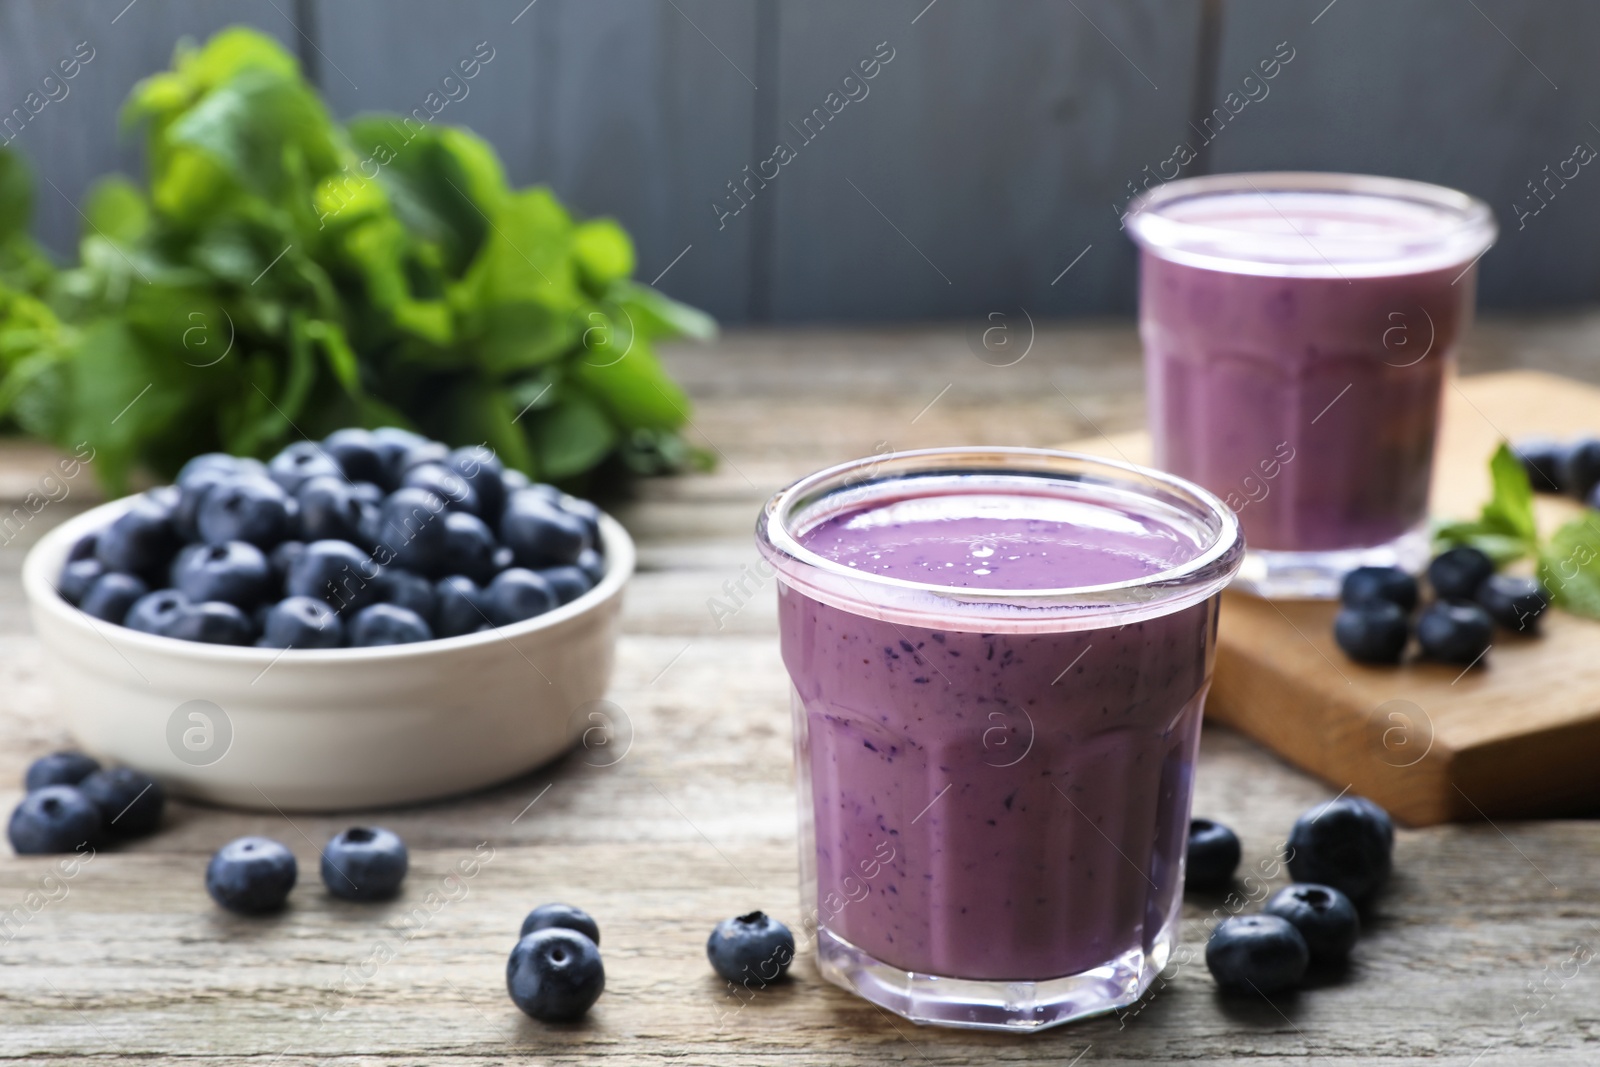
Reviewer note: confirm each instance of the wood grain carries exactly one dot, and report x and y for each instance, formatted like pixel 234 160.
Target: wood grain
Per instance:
pixel 696 822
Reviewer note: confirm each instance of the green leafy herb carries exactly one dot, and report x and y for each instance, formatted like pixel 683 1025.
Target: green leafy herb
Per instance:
pixel 1505 528
pixel 280 274
pixel 1569 565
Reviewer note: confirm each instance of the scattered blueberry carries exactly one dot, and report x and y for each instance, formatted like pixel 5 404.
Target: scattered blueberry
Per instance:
pixel 1579 469
pixel 539 533
pixel 212 622
pixel 1323 915
pixel 386 624
pixel 77 576
pixel 565 916
pixel 301 622
pixel 460 607
pixel 1542 459
pixel 251 875
pixel 1213 855
pixel 1365 584
pixel 1346 843
pixel 335 572
pixel 1257 953
pixel 59 768
pixel 237 572
pixel 555 974
pixel 750 947
pixel 517 594
pixel 140 541
pixel 244 509
pixel 155 612
pixel 1514 602
pixel 1374 631
pixel 57 818
pixel 130 801
pixel 111 596
pixel 1454 633
pixel 1456 574
pixel 364 863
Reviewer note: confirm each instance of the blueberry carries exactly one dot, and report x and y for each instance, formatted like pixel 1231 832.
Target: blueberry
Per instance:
pixel 1579 469
pixel 1258 953
pixel 364 863
pixel 77 577
pixel 539 533
pixel 555 975
pixel 1213 855
pixel 1541 458
pixel 446 484
pixel 356 453
pixel 399 450
pixel 593 564
pixel 301 622
pixel 750 947
pixel 564 916
pixel 1454 633
pixel 141 541
pixel 335 572
pixel 1457 573
pixel 192 493
pixel 469 547
pixel 154 612
pixel 1365 584
pixel 57 818
pixel 503 558
pixel 518 594
pixel 130 801
pixel 1372 632
pixel 460 607
pixel 205 463
pixel 512 479
pixel 367 492
pixel 483 471
pixel 283 557
pixel 329 510
pixel 406 589
pixel 301 461
pixel 413 528
pixel 237 572
pixel 244 509
pixel 251 875
pixel 59 768
pixel 569 583
pixel 1323 915
pixel 386 624
pixel 1514 602
pixel 83 548
pixel 586 511
pixel 1346 843
pixel 212 622
pixel 111 596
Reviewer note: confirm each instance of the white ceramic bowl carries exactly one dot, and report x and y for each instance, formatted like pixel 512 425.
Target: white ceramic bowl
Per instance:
pixel 318 730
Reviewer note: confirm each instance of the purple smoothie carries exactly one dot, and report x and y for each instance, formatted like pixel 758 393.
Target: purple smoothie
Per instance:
pixel 1007 806
pixel 1297 341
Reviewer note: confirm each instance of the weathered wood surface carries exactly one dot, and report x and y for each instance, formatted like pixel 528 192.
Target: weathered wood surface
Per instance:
pixel 1480 949
pixel 998 144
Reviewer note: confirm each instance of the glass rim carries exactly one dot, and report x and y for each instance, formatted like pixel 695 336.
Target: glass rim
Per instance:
pixel 1146 596
pixel 1472 233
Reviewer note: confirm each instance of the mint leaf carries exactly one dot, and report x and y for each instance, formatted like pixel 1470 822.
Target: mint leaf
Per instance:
pixel 1569 565
pixel 1504 529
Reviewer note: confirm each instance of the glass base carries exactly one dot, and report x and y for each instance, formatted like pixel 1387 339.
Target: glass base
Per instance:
pixel 987 1005
pixel 1317 575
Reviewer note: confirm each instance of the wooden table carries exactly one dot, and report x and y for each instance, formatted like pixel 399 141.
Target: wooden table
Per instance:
pixel 1480 953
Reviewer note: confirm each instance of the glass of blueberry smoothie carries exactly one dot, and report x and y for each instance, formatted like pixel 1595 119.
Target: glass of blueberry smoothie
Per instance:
pixel 998 659
pixel 1298 329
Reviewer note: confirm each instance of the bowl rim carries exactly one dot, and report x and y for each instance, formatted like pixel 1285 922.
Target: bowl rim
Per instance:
pixel 53 546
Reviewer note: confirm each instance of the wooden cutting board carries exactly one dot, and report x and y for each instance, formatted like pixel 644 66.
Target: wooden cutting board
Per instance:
pixel 1517 737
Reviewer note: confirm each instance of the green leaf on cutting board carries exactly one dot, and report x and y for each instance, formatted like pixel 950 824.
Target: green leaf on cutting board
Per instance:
pixel 1504 529
pixel 1569 566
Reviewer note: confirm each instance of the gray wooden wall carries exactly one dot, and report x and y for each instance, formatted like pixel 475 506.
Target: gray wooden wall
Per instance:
pixel 990 153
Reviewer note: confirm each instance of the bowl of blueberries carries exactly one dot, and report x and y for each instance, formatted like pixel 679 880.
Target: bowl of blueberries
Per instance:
pixel 370 619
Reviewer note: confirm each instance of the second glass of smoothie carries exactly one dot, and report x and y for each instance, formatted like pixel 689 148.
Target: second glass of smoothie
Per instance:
pixel 999 659
pixel 1298 330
